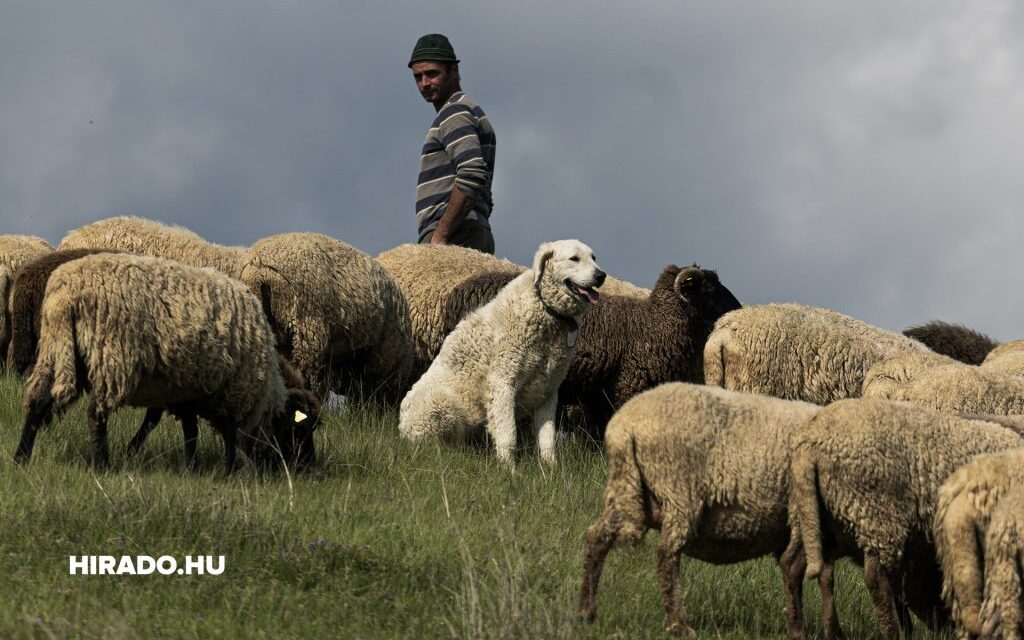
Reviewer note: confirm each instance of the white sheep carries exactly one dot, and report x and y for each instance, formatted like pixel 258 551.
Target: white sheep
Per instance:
pixel 1006 358
pixel 978 549
pixel 152 238
pixel 335 311
pixel 506 359
pixel 865 477
pixel 15 251
pixel 797 352
pixel 709 468
pixel 148 332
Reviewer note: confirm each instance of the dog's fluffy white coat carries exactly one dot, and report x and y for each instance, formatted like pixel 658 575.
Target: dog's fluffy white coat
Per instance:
pixel 506 360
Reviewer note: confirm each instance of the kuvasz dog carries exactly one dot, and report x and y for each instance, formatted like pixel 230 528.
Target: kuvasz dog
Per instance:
pixel 506 359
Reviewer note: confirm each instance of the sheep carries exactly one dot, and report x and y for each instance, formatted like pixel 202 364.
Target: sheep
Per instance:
pixel 152 238
pixel 709 467
pixel 962 528
pixel 797 352
pixel 15 251
pixel 1002 611
pixel 865 475
pixel 1006 358
pixel 945 385
pixel 428 274
pixel 148 332
pixel 506 359
pixel 334 310
pixel 953 340
pixel 610 364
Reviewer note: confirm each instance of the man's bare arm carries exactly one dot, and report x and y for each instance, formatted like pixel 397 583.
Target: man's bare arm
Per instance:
pixel 459 206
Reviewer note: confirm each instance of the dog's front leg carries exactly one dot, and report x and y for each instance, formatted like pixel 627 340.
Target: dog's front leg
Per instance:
pixel 544 427
pixel 501 417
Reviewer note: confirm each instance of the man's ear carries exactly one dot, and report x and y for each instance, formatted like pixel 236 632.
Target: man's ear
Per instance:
pixel 540 260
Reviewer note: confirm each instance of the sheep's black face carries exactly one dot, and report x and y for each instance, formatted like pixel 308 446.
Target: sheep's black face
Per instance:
pixel 294 429
pixel 714 299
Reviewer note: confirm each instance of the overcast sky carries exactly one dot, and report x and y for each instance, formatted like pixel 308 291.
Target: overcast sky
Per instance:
pixel 864 156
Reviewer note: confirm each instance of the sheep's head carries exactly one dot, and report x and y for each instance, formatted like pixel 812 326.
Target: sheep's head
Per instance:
pixel 697 293
pixel 294 428
pixel 566 276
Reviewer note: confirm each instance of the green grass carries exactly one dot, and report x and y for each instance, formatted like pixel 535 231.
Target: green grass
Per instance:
pixel 384 540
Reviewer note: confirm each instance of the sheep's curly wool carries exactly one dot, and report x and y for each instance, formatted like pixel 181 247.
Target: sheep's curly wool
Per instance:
pixel 710 468
pixel 429 275
pixel 865 480
pixel 1002 611
pixel 973 545
pixel 945 385
pixel 153 332
pixel 335 312
pixel 797 352
pixel 15 251
pixel 1006 358
pixel 149 237
pixel 953 340
pixel 27 304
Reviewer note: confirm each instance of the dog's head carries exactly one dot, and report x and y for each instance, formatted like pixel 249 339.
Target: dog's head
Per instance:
pixel 566 276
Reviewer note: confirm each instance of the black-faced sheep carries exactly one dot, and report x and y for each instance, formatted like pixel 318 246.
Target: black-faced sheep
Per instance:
pixel 865 480
pixel 953 340
pixel 427 276
pixel 627 345
pixel 148 332
pixel 710 469
pixel 335 312
pixel 152 238
pixel 506 360
pixel 15 251
pixel 976 554
pixel 797 352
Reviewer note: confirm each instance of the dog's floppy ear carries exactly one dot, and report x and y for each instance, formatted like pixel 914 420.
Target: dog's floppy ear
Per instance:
pixel 540 260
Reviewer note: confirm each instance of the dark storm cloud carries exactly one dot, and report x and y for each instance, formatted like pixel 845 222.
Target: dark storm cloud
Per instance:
pixel 858 157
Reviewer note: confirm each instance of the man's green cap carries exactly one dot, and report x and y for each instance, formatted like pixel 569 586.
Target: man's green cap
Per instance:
pixel 434 47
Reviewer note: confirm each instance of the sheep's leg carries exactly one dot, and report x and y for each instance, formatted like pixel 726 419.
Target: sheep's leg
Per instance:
pixel 793 563
pixel 830 617
pixel 230 435
pixel 190 429
pixel 98 431
pixel 668 554
pixel 544 428
pixel 149 422
pixel 600 538
pixel 880 586
pixel 38 413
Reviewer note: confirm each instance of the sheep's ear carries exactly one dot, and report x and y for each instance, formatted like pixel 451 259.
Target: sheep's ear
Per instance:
pixel 688 282
pixel 540 260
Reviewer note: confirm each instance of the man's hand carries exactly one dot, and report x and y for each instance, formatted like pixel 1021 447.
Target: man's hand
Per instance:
pixel 459 206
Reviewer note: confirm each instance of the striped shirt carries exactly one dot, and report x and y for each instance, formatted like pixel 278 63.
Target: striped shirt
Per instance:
pixel 458 152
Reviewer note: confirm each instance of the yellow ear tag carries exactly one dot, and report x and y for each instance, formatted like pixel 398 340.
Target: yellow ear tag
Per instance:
pixel 299 416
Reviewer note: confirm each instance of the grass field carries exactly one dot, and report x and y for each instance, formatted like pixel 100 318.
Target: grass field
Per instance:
pixel 385 540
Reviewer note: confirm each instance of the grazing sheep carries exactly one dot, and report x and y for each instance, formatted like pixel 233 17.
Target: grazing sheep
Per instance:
pixel 1006 358
pixel 967 500
pixel 151 332
pixel 610 364
pixel 709 468
pixel 429 274
pixel 15 251
pixel 151 238
pixel 865 478
pixel 945 385
pixel 1002 611
pixel 335 312
pixel 953 340
pixel 506 359
pixel 797 352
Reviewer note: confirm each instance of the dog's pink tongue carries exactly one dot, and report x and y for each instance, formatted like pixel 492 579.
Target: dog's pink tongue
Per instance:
pixel 591 294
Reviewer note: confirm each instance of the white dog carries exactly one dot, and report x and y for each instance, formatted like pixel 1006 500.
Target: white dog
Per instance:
pixel 506 359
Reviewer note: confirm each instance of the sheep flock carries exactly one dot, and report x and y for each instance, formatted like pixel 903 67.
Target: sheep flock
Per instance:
pixel 779 429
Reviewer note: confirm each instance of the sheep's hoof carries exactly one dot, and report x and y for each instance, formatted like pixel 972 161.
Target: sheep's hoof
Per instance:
pixel 588 614
pixel 681 628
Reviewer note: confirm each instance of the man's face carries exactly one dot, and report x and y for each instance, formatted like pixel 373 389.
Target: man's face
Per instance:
pixel 436 81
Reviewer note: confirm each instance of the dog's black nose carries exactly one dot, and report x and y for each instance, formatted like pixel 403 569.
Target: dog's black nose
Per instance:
pixel 600 277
